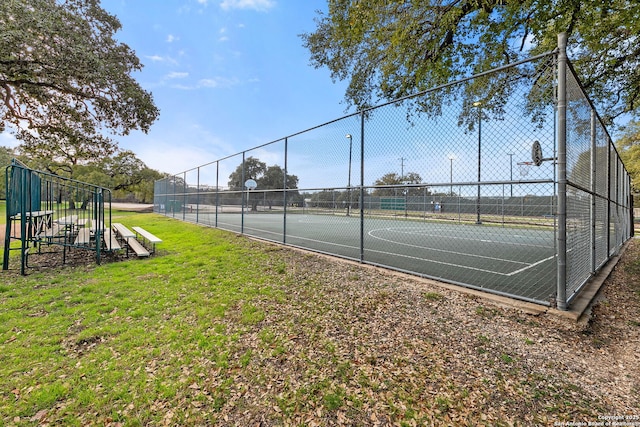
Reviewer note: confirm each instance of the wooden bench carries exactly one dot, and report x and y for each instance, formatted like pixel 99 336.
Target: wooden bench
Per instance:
pixel 110 240
pixel 95 225
pixel 83 237
pixel 137 248
pixel 67 220
pixel 49 233
pixel 123 231
pixel 37 221
pixel 130 239
pixel 148 237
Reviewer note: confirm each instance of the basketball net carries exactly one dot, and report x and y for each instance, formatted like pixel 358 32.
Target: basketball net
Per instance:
pixel 524 168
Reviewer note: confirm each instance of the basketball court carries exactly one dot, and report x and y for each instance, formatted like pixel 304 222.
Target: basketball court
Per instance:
pixel 512 261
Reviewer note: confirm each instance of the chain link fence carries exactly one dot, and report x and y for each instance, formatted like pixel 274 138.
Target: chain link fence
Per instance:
pixel 506 182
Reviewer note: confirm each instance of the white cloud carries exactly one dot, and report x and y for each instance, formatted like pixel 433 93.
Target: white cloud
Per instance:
pixel 155 58
pixel 218 82
pixel 158 58
pixel 259 5
pixel 177 75
pixel 208 83
pixel 223 37
pixel 171 38
pixel 182 87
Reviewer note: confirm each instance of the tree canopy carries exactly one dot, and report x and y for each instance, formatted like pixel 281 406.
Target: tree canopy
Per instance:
pixel 267 178
pixel 64 79
pixel 253 169
pixel 127 176
pixel 390 49
pixel 392 184
pixel 629 149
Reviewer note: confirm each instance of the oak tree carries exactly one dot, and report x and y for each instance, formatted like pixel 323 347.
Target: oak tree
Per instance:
pixel 392 184
pixel 390 49
pixel 65 80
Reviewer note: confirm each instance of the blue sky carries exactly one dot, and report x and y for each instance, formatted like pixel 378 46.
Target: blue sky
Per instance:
pixel 227 75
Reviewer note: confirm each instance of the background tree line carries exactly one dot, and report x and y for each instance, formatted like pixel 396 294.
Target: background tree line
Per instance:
pixel 127 176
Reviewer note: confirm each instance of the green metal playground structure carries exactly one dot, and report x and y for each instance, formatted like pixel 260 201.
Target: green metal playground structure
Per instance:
pixel 45 209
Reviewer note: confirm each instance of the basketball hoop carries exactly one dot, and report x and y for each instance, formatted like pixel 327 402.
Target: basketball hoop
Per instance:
pixel 536 153
pixel 524 168
pixel 537 158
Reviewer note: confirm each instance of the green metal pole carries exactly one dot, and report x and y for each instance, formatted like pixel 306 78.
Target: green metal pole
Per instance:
pixel 7 235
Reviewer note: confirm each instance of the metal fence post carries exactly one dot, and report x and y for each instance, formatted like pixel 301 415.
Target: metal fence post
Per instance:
pixel 175 196
pixel 242 194
pixel 361 186
pixel 632 230
pixel 561 297
pixel 284 192
pixel 217 190
pixel 184 195
pixel 608 221
pixel 198 198
pixel 593 190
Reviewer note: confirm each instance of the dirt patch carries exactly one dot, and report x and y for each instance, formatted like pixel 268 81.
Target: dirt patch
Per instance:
pixel 48 257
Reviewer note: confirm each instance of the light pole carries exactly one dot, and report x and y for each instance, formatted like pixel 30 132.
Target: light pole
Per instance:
pixel 349 180
pixel 511 171
pixel 479 105
pixel 451 174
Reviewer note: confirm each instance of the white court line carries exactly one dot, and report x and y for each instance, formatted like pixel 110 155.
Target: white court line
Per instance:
pixel 357 248
pixel 443 250
pixel 513 273
pixel 448 237
pixel 525 268
pixel 465 267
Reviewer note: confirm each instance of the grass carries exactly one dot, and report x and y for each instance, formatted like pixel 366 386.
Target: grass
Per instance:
pixel 127 327
pixel 433 296
pixel 216 326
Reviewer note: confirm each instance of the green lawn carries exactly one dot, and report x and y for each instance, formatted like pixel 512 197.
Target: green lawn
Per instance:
pixel 94 337
pixel 218 329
